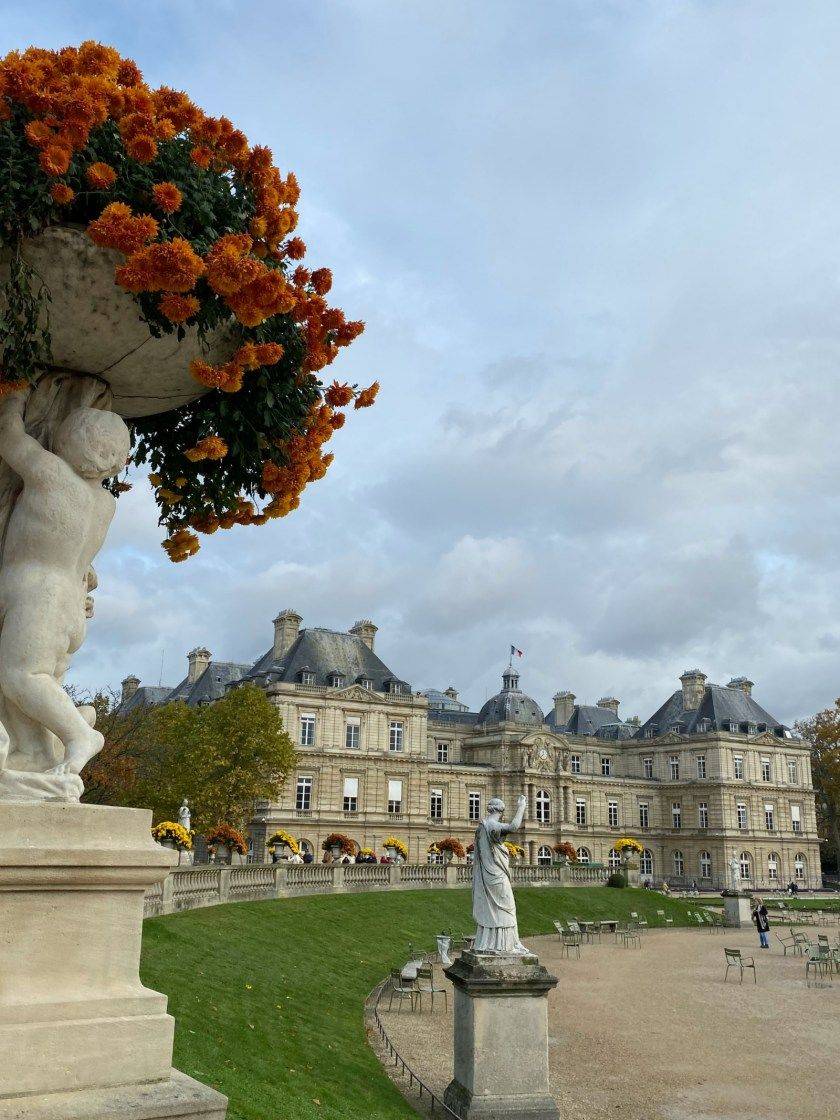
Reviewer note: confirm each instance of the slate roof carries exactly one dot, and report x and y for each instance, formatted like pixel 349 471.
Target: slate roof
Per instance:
pixel 440 716
pixel 324 652
pixel 211 685
pixel 719 705
pixel 439 701
pixel 590 719
pixel 511 705
pixel 146 696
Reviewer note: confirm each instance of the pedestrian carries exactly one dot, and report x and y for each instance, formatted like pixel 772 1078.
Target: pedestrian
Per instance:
pixel 762 922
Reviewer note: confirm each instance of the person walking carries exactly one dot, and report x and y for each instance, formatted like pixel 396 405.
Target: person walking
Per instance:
pixel 762 922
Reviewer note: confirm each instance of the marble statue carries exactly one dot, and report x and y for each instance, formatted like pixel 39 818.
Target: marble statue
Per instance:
pixel 184 814
pixel 494 908
pixel 55 522
pixel 734 872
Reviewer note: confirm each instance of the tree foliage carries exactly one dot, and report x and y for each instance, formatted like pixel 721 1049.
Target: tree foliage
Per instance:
pixel 223 757
pixel 822 732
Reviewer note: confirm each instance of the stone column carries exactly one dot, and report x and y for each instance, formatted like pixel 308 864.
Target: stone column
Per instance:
pixel 79 1034
pixel 737 909
pixel 500 1038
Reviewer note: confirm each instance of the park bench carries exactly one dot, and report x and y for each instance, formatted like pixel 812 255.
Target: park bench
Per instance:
pixel 734 959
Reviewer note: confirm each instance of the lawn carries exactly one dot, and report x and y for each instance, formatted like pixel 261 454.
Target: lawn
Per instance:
pixel 267 996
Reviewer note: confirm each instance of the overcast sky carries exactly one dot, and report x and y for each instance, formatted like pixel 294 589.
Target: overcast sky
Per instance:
pixel 597 248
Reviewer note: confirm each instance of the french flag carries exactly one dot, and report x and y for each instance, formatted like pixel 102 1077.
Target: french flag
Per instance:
pixel 515 652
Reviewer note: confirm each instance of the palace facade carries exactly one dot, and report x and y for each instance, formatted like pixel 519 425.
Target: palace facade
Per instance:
pixel 709 773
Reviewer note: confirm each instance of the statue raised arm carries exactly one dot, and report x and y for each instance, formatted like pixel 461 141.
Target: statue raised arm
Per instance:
pixel 494 908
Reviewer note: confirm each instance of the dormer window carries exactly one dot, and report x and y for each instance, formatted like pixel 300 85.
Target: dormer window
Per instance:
pixel 752 728
pixel 396 688
pixel 366 683
pixel 676 728
pixel 651 732
pixel 336 680
pixel 307 677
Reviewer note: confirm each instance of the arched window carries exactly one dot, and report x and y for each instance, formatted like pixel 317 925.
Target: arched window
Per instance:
pixel 646 862
pixel 773 865
pixel 583 855
pixel 799 866
pixel 705 865
pixel 746 865
pixel 614 860
pixel 435 857
pixel 543 806
pixel 544 855
pixel 679 864
pixel 305 846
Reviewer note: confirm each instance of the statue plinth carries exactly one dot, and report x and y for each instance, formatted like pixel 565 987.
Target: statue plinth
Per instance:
pixel 80 1036
pixel 501 1038
pixel 737 908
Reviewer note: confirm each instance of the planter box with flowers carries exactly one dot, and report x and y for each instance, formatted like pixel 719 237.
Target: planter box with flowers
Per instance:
pixel 449 847
pixel 564 853
pixel 282 844
pixel 226 844
pixel 338 845
pixel 171 834
pixel 397 849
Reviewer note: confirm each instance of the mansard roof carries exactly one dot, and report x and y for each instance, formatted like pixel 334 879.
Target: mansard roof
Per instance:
pixel 591 719
pixel 146 696
pixel 720 706
pixel 211 685
pixel 325 652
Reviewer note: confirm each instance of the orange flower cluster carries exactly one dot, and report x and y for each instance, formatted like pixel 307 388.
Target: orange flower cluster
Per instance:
pixel 168 197
pixel 304 459
pixel 117 227
pixel 178 308
pixel 62 194
pixel 100 176
pixel 229 377
pixel 181 545
pixel 164 266
pixel 253 291
pixel 211 447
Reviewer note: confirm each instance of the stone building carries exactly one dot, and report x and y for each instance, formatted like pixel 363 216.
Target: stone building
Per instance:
pixel 709 773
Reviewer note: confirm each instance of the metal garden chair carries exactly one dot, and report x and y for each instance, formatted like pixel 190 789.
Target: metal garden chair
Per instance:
pixel 734 959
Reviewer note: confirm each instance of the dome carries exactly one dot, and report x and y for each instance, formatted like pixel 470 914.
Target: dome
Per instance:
pixel 511 705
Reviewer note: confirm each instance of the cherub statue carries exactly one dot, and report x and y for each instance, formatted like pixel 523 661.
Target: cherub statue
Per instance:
pixel 56 527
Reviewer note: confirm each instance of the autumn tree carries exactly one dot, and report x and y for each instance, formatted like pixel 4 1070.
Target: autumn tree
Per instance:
pixel 223 757
pixel 822 732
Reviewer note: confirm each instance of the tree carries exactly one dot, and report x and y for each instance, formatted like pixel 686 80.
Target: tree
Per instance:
pixel 822 732
pixel 223 757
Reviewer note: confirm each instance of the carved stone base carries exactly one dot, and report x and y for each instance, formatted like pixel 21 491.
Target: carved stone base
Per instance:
pixel 22 785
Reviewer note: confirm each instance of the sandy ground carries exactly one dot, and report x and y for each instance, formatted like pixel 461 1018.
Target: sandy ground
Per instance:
pixel 655 1034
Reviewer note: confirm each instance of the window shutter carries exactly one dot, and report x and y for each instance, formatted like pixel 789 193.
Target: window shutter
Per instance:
pixel 351 787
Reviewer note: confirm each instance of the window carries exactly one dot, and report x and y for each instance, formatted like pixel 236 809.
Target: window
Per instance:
pixel 612 814
pixel 336 680
pixel 474 803
pixel 606 766
pixel 396 688
pixel 352 733
pixel 580 810
pixel 366 683
pixel 543 806
pixel 307 678
pixel 544 855
pixel 793 776
pixel 614 860
pixel 443 752
pixel 583 855
pixel 351 795
pixel 679 863
pixel 799 866
pixel 742 815
pixel 303 795
pixel 647 767
pixel 307 730
pixel 738 765
pixel 395 795
pixel 395 735
pixel 765 770
pixel 773 866
pixel 746 865
pixel 705 865
pixel 769 823
pixel 796 818
pixel 436 804
pixel 574 764
pixel 701 765
pixel 703 814
pixel 676 814
pixel 651 732
pixel 644 816
pixel 646 862
pixel 674 767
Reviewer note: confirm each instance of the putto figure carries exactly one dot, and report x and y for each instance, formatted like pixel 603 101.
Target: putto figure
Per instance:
pixel 56 527
pixel 494 908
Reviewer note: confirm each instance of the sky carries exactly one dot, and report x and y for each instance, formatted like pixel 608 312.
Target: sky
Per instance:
pixel 597 249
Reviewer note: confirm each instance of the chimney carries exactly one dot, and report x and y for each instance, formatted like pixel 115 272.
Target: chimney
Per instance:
pixel 693 688
pixel 451 692
pixel 286 630
pixel 633 721
pixel 564 706
pixel 744 683
pixel 198 660
pixel 609 702
pixel 365 630
pixel 129 687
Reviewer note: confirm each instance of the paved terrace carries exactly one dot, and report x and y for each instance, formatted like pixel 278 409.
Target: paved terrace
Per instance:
pixel 654 1034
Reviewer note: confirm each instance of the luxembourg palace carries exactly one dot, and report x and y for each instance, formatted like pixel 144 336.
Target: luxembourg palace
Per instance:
pixel 709 773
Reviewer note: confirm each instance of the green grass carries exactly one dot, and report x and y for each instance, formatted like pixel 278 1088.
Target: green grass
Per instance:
pixel 268 996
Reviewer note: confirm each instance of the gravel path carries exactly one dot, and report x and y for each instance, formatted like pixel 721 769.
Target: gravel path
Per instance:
pixel 654 1034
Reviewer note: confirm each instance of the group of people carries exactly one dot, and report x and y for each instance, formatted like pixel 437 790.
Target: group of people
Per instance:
pixel 361 857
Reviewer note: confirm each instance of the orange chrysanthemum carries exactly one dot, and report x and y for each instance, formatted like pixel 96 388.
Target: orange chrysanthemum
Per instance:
pixel 62 194
pixel 143 148
pixel 118 228
pixel 165 266
pixel 55 159
pixel 178 308
pixel 168 197
pixel 211 447
pixel 101 176
pixel 367 396
pixel 201 157
pixel 338 395
pixel 322 280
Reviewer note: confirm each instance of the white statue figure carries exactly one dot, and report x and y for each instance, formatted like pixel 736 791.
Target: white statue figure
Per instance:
pixel 734 871
pixel 56 523
pixel 494 908
pixel 184 814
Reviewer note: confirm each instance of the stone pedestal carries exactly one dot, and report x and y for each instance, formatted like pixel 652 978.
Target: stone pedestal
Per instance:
pixel 80 1036
pixel 737 908
pixel 501 1038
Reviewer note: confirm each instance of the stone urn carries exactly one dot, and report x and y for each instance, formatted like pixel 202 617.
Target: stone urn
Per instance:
pixel 335 851
pixel 168 842
pixel 223 852
pixel 448 855
pixel 393 853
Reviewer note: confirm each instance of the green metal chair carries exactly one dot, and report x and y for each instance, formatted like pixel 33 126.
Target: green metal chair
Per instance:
pixel 425 985
pixel 402 989
pixel 821 964
pixel 734 959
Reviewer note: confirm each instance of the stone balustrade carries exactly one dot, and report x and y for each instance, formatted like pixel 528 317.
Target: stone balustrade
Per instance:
pixel 187 888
